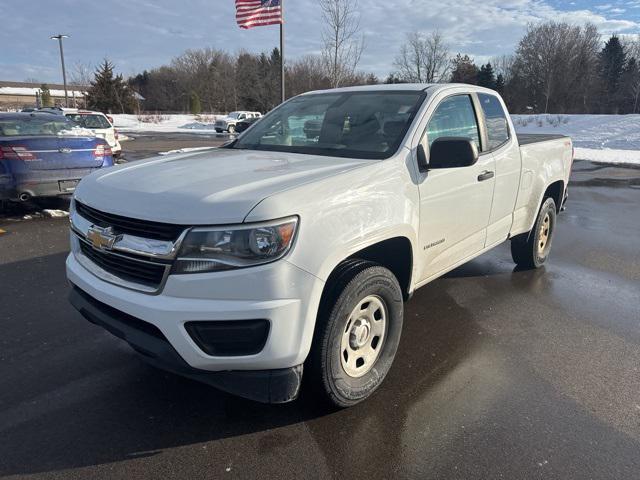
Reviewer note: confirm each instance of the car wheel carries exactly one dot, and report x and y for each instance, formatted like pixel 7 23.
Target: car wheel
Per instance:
pixel 357 334
pixel 231 129
pixel 531 249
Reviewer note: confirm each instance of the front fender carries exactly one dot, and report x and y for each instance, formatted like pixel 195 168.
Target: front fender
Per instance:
pixel 347 212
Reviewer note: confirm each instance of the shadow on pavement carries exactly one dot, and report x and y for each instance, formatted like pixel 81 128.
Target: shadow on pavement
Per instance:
pixel 73 396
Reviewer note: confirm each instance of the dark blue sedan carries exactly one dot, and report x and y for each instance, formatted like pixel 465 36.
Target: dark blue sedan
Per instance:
pixel 43 155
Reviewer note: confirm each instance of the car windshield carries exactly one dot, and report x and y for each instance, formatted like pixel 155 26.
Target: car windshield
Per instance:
pixel 90 120
pixel 352 124
pixel 234 115
pixel 35 125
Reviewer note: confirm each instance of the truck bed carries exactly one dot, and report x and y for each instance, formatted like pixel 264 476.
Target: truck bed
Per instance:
pixel 529 138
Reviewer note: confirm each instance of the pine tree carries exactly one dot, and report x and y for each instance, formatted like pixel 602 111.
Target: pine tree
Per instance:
pixel 194 104
pixel 500 84
pixel 108 93
pixel 487 77
pixel 464 70
pixel 45 96
pixel 612 60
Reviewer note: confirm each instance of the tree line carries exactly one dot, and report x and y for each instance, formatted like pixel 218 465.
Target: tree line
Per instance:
pixel 556 68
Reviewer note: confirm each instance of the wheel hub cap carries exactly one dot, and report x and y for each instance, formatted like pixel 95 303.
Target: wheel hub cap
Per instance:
pixel 359 333
pixel 543 235
pixel 363 336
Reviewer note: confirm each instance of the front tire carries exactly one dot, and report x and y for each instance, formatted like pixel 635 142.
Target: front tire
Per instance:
pixel 531 250
pixel 231 129
pixel 357 337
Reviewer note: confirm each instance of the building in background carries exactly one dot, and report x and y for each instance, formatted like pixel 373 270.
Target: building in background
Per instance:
pixel 18 95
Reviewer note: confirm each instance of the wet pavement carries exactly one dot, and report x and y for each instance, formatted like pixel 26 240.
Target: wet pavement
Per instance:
pixel 500 374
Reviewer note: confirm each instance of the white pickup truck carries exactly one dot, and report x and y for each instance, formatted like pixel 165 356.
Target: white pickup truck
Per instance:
pixel 295 246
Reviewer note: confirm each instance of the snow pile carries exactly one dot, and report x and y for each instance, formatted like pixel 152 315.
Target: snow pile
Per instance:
pixel 597 138
pixel 165 123
pixel 51 213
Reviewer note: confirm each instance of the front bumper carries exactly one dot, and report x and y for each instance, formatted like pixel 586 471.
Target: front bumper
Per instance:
pixel 279 292
pixel 268 386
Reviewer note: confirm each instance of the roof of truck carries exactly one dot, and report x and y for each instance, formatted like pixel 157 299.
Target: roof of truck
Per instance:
pixel 431 87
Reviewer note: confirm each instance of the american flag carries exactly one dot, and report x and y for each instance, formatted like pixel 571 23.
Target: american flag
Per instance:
pixel 257 13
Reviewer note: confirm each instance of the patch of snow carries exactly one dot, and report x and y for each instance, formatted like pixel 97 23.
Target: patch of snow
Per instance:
pixel 598 138
pixel 185 150
pixel 55 213
pixel 165 123
pixel 587 131
pixel 607 155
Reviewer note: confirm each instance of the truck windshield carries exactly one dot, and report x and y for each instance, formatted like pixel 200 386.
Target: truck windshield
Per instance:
pixel 352 124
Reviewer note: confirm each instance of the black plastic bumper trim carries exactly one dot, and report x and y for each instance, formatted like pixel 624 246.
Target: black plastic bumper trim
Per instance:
pixel 266 386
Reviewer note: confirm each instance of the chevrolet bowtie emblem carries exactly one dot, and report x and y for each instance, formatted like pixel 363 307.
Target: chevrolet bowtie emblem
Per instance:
pixel 102 238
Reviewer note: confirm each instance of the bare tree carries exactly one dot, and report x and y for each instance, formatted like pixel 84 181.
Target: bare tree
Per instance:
pixel 503 65
pixel 81 74
pixel 424 58
pixel 631 44
pixel 343 44
pixel 305 74
pixel 556 62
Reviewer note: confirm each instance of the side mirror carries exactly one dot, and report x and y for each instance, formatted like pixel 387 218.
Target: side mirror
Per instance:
pixel 452 152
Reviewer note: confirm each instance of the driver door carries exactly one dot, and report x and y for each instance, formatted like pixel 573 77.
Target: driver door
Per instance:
pixel 455 203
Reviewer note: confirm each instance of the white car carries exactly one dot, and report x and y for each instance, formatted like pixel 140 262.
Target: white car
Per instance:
pixel 293 249
pixel 99 123
pixel 228 123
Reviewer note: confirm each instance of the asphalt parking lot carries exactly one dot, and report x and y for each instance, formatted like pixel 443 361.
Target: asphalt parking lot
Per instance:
pixel 500 373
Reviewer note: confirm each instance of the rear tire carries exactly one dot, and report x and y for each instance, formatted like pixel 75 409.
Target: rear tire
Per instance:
pixel 531 250
pixel 357 334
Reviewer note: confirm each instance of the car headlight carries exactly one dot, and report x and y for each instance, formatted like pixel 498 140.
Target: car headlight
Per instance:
pixel 225 248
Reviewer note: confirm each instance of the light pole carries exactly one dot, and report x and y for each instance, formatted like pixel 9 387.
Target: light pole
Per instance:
pixel 59 37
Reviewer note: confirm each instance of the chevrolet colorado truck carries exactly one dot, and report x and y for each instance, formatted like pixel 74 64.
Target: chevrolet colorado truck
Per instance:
pixel 291 250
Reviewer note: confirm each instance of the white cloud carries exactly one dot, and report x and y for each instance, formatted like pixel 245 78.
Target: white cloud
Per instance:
pixel 149 33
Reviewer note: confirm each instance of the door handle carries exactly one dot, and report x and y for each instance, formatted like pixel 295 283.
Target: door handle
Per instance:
pixel 486 175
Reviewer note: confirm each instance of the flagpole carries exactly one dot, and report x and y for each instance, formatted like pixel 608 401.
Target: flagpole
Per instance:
pixel 282 52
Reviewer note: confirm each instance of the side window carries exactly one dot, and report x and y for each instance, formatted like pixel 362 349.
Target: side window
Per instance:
pixel 454 117
pixel 241 116
pixel 496 120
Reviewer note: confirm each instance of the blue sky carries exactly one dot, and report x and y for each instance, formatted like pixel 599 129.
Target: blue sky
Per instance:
pixel 142 34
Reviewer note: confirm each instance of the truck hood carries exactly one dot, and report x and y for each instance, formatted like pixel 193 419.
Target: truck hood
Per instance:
pixel 204 188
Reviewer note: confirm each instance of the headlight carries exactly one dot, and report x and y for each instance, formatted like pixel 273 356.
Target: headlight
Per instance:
pixel 225 248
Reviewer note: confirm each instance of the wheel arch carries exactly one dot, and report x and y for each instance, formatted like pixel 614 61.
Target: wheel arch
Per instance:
pixel 556 191
pixel 395 254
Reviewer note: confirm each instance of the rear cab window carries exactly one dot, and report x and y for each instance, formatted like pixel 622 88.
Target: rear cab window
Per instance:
pixel 495 120
pixel 32 126
pixel 454 117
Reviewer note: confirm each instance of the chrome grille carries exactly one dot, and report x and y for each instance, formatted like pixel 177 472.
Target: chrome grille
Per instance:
pixel 128 268
pixel 137 254
pixel 131 226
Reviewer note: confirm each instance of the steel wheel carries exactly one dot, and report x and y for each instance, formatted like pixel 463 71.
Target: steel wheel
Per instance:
pixel 544 234
pixel 363 336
